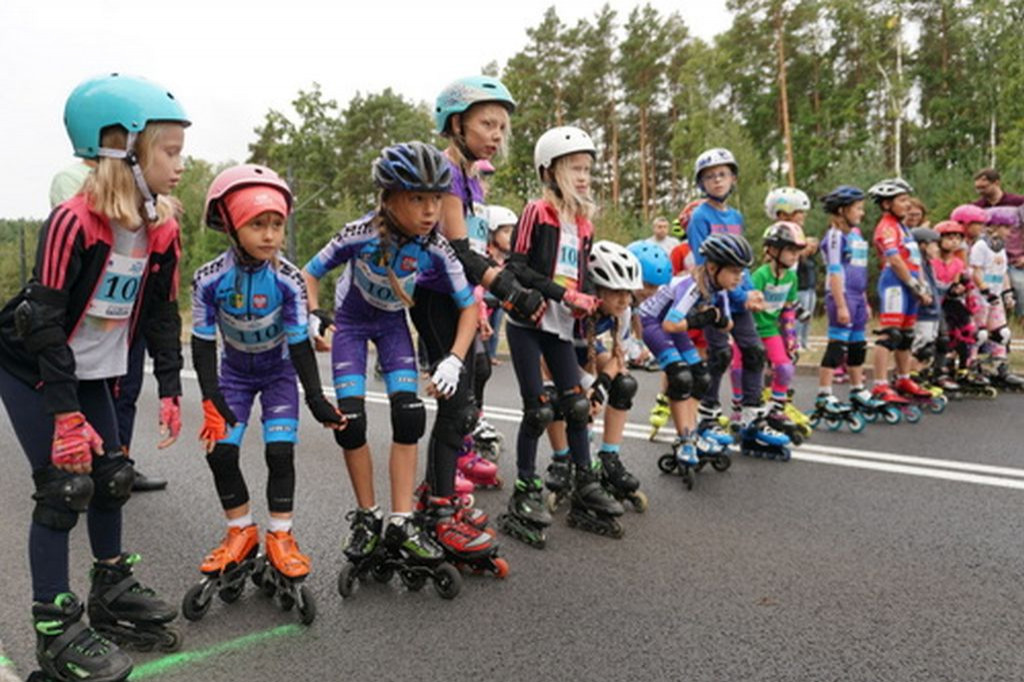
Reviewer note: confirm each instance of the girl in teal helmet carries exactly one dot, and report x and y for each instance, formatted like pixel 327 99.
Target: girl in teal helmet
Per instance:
pixel 106 270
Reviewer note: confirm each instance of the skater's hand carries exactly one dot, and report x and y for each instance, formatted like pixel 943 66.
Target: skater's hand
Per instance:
pixel 74 443
pixel 1009 300
pixel 320 322
pixel 755 301
pixel 170 421
pixel 582 304
pixel 599 392
pixel 217 417
pixel 525 304
pixel 485 328
pixel 843 316
pixel 445 380
pixel 326 413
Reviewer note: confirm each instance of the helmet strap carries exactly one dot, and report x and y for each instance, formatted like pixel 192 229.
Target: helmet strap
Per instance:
pixel 129 156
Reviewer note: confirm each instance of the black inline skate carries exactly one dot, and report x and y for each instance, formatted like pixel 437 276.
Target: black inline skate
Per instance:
pixel 973 384
pixel 361 549
pixel 465 545
pixel 592 508
pixel 759 439
pixel 558 481
pixel 620 483
pixel 527 517
pixel 131 615
pixel 68 650
pixel 828 410
pixel 1002 379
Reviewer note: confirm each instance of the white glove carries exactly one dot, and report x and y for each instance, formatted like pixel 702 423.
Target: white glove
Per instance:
pixel 446 376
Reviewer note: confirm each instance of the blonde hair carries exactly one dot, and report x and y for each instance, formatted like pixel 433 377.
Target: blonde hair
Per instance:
pixel 455 150
pixel 386 229
pixel 111 189
pixel 571 204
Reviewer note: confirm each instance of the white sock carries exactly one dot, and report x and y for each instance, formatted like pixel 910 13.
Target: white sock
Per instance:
pixel 240 522
pixel 279 525
pixel 398 518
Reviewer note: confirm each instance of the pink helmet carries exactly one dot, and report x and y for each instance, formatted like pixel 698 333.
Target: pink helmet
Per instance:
pixel 969 213
pixel 245 175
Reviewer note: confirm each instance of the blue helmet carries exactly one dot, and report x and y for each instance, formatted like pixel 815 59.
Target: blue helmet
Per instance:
pixel 412 166
pixel 127 101
pixel 655 266
pixel 841 196
pixel 727 249
pixel 460 95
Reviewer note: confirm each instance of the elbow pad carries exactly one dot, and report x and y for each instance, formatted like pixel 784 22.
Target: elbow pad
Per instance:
pixel 473 263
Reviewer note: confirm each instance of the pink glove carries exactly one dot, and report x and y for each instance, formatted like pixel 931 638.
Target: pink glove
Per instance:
pixel 170 416
pixel 584 303
pixel 74 441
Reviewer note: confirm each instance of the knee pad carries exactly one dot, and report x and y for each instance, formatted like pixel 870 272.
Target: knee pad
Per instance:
pixel 575 407
pixel 907 340
pixel 720 359
pixel 60 497
pixel 227 476
pixel 620 395
pixel 783 374
pixel 280 476
pixel 835 351
pixel 1000 335
pixel 891 338
pixel 926 352
pixel 753 358
pixel 551 396
pixel 408 418
pixel 353 436
pixel 113 476
pixel 701 379
pixel 679 381
pixel 856 353
pixel 538 414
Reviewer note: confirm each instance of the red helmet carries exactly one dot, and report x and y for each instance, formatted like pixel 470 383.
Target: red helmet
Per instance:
pixel 969 213
pixel 950 227
pixel 245 175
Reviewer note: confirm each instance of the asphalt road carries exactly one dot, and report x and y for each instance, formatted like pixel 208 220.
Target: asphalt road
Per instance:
pixel 894 554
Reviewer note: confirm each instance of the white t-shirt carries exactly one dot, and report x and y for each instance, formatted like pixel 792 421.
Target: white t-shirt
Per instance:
pixel 989 264
pixel 667 244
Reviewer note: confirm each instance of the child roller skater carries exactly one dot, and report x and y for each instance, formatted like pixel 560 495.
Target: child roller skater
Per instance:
pixel 257 300
pixel 656 271
pixel 550 251
pixel 390 252
pixel 107 258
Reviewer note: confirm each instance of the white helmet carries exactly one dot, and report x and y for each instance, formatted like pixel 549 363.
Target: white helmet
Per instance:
pixel 613 267
pixel 714 157
pixel 499 216
pixel 786 200
pixel 889 188
pixel 558 142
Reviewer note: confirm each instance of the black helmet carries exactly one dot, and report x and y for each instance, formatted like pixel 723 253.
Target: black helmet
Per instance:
pixel 727 249
pixel 412 166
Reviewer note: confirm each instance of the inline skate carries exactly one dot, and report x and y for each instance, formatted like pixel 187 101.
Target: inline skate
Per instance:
pixel 68 650
pixel 124 611
pixel 465 545
pixel 714 426
pixel 783 416
pixel 898 407
pixel 480 472
pixel 660 414
pixel 759 439
pixel 558 481
pixel 527 517
pixel 225 570
pixel 974 384
pixel 592 508
pixel 920 396
pixel 282 574
pixel 619 482
pixel 1000 377
pixel 468 514
pixel 690 454
pixel 361 549
pixel 488 440
pixel 407 550
pixel 833 413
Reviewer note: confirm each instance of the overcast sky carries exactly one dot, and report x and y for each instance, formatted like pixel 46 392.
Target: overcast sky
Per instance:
pixel 229 62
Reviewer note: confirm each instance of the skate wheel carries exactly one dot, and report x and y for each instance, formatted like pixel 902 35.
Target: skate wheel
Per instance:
pixel 195 604
pixel 688 479
pixel 990 392
pixel 784 455
pixel 815 420
pixel 667 463
pixel 552 502
pixel 414 582
pixel 500 568
pixel 381 573
pixel 307 606
pixel 447 581
pixel 639 501
pixel 913 414
pixel 347 580
pixel 832 423
pixel 870 417
pixel 938 404
pixel 721 463
pixel 231 593
pixel 892 416
pixel 856 423
pixel 797 438
pixel 172 640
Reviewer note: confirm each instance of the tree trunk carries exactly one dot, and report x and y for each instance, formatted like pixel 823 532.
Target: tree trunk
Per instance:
pixel 784 98
pixel 643 164
pixel 615 161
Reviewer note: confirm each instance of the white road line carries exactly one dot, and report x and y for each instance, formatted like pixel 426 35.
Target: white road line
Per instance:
pixel 928 467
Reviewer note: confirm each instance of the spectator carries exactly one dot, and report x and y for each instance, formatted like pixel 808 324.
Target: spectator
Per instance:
pixel 807 287
pixel 917 215
pixel 987 184
pixel 660 236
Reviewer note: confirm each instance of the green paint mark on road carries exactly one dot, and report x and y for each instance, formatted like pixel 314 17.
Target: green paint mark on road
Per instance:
pixel 169 663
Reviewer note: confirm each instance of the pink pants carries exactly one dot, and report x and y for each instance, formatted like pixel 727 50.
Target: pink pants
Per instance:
pixel 782 366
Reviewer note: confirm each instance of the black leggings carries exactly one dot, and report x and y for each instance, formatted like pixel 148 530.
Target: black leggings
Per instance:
pixel 48 548
pixel 436 318
pixel 527 346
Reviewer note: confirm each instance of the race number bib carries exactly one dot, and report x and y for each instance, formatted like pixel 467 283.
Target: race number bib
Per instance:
pixel 115 296
pixel 858 253
pixel 567 269
pixel 476 228
pixel 775 297
pixel 915 252
pixel 252 336
pixel 376 288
